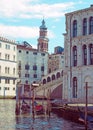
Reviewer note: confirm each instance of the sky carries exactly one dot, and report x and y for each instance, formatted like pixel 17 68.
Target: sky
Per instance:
pixel 20 19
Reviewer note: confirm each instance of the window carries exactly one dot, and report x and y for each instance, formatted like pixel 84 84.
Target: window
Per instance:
pixel 5 88
pixel 85 54
pixel 19 51
pixel 0 55
pixel 13 89
pixel 26 81
pixel 91 25
pixel 44 81
pixel 14 48
pixel 27 52
pixel 0 68
pixel 7 47
pixel 7 70
pixel 7 81
pixel 19 65
pixel 42 68
pixel 43 54
pixel 34 67
pixel 34 53
pixel 7 57
pixel 48 79
pixel 58 75
pixel 84 26
pixel 26 67
pixel 91 53
pixel 53 77
pixel 74 28
pixel 14 71
pixel 13 57
pixel 74 87
pixel 35 75
pixel 0 45
pixel 75 56
pixel 27 75
pixel 13 81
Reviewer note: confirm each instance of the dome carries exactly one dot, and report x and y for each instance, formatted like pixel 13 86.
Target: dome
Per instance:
pixel 43 26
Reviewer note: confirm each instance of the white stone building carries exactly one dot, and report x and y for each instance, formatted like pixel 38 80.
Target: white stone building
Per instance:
pixel 8 67
pixel 78 51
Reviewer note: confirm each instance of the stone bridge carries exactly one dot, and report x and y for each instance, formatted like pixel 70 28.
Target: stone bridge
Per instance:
pixel 51 86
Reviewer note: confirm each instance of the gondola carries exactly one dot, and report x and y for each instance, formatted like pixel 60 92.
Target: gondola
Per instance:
pixel 38 108
pixel 89 119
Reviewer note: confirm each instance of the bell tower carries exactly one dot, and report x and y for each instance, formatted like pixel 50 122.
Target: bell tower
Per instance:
pixel 43 40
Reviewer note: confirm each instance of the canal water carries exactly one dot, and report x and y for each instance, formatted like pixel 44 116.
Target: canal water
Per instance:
pixel 10 121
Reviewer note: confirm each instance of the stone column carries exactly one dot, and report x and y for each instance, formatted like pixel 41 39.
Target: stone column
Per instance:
pixel 79 55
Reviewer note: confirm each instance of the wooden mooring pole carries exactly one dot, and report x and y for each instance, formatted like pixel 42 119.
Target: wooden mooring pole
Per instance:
pixel 86 89
pixel 48 103
pixel 33 102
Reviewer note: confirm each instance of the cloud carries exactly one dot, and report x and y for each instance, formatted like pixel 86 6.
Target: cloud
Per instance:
pixel 19 31
pixel 32 9
pixel 24 32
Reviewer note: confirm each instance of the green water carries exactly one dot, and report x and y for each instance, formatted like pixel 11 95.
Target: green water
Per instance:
pixel 9 121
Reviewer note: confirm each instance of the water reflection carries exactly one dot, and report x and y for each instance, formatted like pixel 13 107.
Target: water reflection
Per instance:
pixel 9 121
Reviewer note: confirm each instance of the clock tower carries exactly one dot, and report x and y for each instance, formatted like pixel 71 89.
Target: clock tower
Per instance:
pixel 43 40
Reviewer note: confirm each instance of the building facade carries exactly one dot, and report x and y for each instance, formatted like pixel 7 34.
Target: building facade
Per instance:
pixel 8 67
pixel 55 62
pixel 32 64
pixel 78 51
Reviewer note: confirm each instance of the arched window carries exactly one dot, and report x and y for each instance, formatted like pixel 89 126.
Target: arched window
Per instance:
pixel 91 53
pixel 58 75
pixel 74 28
pixel 84 55
pixel 75 56
pixel 53 77
pixel 48 79
pixel 74 87
pixel 91 25
pixel 84 26
pixel 44 81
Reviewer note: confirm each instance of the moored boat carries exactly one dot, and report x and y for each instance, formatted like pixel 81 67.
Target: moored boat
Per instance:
pixel 38 108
